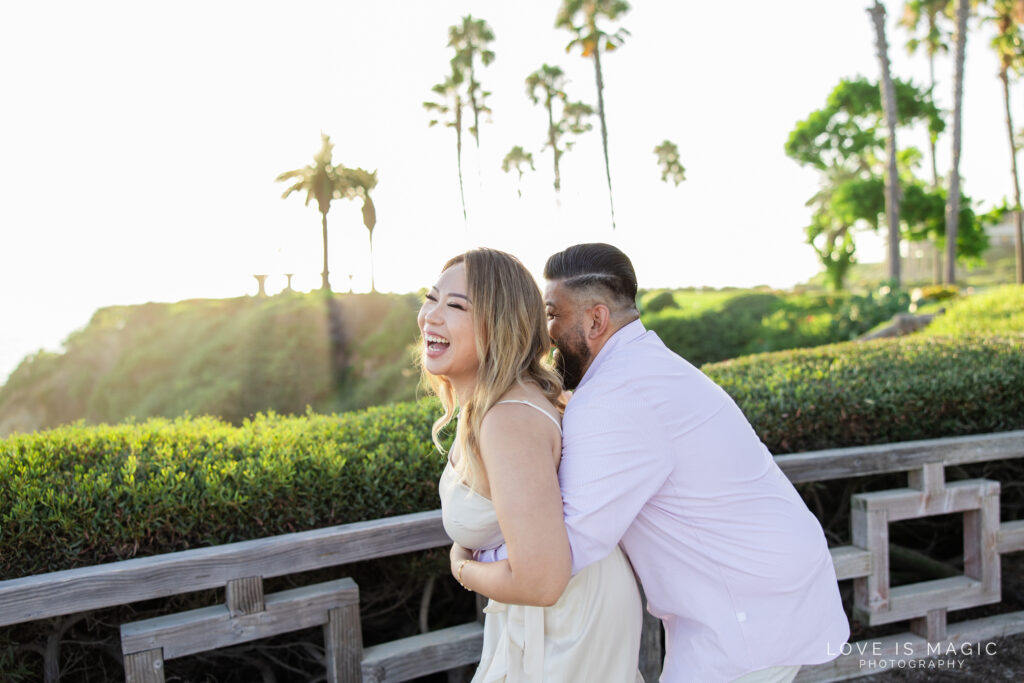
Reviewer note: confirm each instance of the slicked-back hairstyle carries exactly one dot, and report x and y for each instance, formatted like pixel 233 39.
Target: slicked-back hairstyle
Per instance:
pixel 595 266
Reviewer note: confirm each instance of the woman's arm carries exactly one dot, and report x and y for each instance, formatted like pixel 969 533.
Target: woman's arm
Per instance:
pixel 518 448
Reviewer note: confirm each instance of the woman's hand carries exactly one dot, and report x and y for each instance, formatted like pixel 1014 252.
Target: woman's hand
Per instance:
pixel 458 555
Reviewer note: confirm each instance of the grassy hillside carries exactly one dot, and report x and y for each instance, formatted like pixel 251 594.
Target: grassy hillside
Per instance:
pixel 225 357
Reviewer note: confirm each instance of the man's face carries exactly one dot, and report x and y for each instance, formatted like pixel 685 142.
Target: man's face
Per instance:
pixel 565 325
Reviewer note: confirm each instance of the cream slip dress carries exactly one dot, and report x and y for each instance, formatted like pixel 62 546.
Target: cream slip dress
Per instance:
pixel 592 634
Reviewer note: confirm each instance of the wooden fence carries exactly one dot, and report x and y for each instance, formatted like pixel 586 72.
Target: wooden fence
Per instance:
pixel 248 614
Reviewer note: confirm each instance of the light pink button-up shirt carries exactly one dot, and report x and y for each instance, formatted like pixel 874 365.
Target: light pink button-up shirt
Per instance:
pixel 658 457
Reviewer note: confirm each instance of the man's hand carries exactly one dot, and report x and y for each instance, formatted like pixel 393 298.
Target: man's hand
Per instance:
pixel 457 555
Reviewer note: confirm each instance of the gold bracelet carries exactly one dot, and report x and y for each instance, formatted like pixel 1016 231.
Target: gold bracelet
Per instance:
pixel 458 574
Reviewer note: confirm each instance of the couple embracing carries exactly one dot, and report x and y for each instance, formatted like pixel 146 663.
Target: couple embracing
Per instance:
pixel 649 472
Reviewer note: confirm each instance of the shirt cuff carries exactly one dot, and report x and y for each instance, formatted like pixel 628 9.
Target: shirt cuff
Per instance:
pixel 491 555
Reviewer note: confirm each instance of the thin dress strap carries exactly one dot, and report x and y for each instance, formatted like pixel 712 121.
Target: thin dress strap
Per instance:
pixel 533 405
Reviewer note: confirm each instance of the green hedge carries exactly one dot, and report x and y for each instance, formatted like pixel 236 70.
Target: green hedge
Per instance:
pixel 880 391
pixel 712 327
pixel 77 496
pixel 999 310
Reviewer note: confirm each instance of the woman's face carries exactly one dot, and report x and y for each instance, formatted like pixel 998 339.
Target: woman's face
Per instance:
pixel 446 325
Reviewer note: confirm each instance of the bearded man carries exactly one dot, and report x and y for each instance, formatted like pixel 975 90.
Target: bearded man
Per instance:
pixel 658 458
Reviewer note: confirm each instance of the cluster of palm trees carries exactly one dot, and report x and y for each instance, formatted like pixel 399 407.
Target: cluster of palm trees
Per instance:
pixel 567 118
pixel 939 26
pixel 325 181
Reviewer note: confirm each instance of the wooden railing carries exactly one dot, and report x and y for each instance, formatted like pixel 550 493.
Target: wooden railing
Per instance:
pixel 248 614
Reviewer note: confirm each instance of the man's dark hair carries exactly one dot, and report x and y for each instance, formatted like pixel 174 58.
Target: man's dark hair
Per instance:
pixel 595 265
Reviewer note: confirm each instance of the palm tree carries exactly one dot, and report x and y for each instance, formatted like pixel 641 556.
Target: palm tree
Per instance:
pixel 935 40
pixel 322 182
pixel 470 40
pixel 892 179
pixel 451 103
pixel 360 182
pixel 1009 46
pixel 668 159
pixel 550 81
pixel 516 158
pixel 953 197
pixel 592 40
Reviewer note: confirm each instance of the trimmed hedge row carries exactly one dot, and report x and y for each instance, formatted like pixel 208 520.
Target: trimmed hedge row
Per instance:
pixel 77 496
pixel 881 391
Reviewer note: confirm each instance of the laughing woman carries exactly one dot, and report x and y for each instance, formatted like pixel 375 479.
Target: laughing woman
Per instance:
pixel 485 343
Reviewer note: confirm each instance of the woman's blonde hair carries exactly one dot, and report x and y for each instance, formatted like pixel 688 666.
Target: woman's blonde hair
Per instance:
pixel 512 347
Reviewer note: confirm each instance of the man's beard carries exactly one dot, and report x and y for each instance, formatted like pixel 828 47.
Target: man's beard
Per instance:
pixel 571 359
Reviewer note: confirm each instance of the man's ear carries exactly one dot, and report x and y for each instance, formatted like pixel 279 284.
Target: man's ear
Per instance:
pixel 598 319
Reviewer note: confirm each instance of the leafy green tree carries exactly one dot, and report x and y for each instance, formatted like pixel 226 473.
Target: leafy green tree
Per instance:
pixel 320 181
pixel 516 159
pixel 1009 46
pixel 953 198
pixel 668 159
pixel 450 103
pixel 844 141
pixel 547 85
pixel 580 17
pixel 359 184
pixel 471 40
pixel 892 180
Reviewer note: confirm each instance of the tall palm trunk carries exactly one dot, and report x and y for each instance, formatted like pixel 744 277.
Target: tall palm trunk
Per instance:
pixel 325 285
pixel 552 140
pixel 953 201
pixel 458 152
pixel 604 127
pixel 936 252
pixel 373 287
pixel 892 180
pixel 1018 219
pixel 473 85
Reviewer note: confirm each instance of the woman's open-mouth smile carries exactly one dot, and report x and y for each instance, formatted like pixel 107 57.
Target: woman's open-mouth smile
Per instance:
pixel 436 345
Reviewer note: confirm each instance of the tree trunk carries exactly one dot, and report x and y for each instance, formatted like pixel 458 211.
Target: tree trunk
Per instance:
pixel 604 127
pixel 936 252
pixel 373 287
pixel 553 141
pixel 953 200
pixel 476 107
pixel 325 285
pixel 892 180
pixel 1005 78
pixel 458 155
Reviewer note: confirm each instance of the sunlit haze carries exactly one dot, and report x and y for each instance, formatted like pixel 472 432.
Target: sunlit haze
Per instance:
pixel 139 145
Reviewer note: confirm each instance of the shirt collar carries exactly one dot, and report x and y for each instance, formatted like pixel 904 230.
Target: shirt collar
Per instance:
pixel 624 335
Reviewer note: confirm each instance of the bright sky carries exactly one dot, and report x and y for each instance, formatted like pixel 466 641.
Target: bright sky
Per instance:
pixel 139 143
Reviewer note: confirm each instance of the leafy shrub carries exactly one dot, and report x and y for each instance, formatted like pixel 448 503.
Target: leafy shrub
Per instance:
pixel 756 322
pixel 881 391
pixel 999 310
pixel 79 496
pixel 935 293
pixel 658 301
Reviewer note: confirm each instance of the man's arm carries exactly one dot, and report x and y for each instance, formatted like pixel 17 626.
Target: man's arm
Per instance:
pixel 614 459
